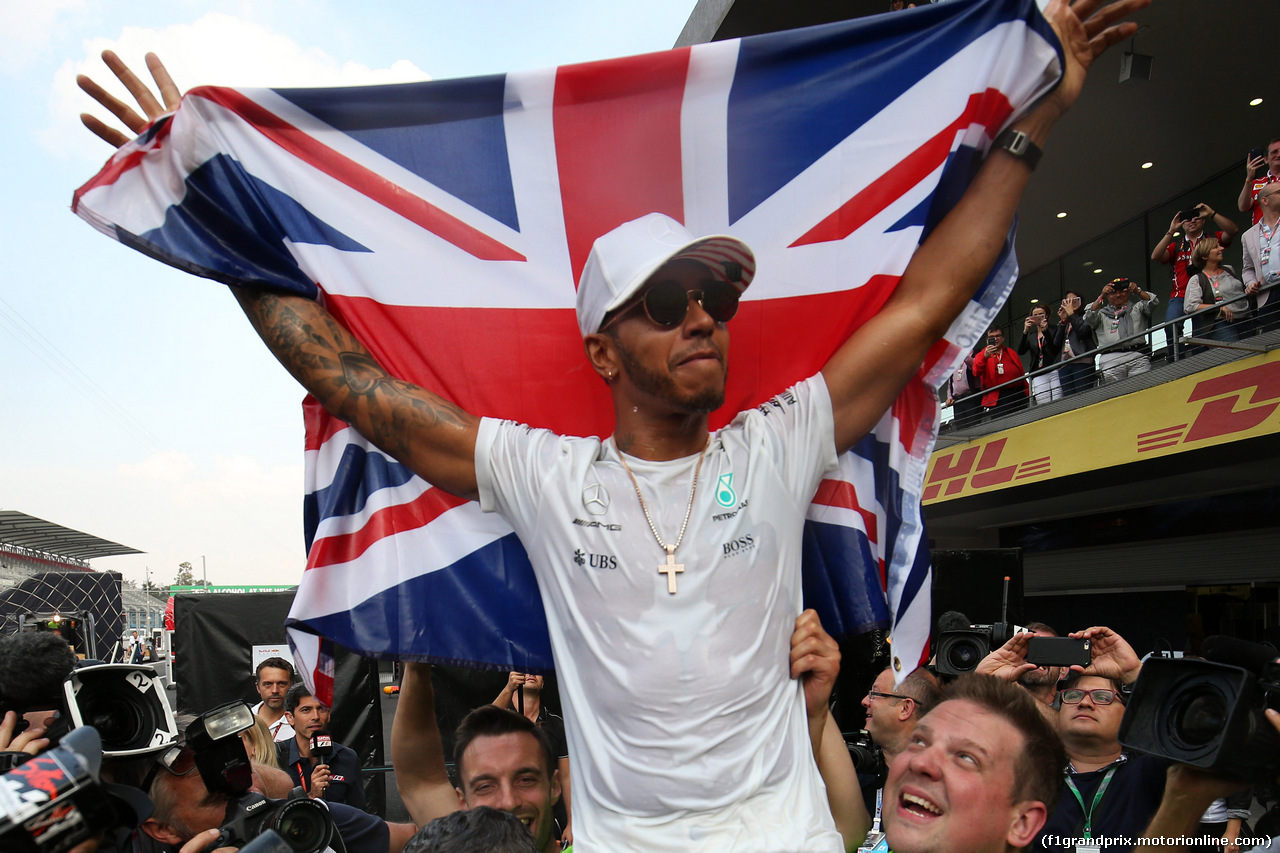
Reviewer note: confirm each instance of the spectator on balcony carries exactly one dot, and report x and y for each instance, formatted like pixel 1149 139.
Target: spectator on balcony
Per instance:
pixel 1120 312
pixel 1077 339
pixel 1042 346
pixel 1262 258
pixel 1175 248
pixel 995 366
pixel 962 395
pixel 1216 284
pixel 1258 172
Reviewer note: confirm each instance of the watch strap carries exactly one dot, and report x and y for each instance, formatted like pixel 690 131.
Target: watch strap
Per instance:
pixel 1018 144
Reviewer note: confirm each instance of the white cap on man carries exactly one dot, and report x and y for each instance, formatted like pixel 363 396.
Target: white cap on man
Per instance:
pixel 622 260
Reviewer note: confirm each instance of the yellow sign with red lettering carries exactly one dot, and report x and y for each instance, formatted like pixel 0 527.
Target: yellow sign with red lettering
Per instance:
pixel 1223 404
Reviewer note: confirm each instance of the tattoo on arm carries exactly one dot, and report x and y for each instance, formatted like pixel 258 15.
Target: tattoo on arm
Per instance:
pixel 329 361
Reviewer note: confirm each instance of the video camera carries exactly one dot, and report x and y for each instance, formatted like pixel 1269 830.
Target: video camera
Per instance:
pixel 961 650
pixel 126 703
pixel 304 824
pixel 53 801
pixel 1210 714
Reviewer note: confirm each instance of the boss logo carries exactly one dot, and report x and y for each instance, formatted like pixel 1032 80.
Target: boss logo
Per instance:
pixel 737 546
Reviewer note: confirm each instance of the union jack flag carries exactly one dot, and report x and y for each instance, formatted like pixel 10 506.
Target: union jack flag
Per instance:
pixel 446 222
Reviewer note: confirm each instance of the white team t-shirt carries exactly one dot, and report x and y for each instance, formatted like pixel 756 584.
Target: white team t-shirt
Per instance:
pixel 679 708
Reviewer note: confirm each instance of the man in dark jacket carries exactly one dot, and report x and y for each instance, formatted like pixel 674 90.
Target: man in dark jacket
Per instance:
pixel 1077 340
pixel 336 779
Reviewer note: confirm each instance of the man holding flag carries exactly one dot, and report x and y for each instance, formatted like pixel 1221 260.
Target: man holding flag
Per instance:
pixel 667 556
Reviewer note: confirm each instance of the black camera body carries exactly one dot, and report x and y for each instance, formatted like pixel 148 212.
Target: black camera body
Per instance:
pixel 305 825
pixel 1206 714
pixel 868 759
pixel 961 651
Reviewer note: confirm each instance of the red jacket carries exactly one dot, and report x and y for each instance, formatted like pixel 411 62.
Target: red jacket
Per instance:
pixel 988 372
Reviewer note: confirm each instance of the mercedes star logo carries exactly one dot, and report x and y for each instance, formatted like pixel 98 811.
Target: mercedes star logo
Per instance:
pixel 596 499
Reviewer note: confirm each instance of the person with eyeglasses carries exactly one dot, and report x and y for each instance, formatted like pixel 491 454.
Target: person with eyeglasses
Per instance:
pixel 979 774
pixel 660 616
pixel 1111 795
pixel 892 712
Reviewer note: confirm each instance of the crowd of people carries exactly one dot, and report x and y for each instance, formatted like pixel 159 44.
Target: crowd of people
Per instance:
pixel 1107 340
pixel 1009 756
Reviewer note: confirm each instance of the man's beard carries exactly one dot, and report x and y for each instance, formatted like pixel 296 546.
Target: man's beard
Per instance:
pixel 1038 678
pixel 662 387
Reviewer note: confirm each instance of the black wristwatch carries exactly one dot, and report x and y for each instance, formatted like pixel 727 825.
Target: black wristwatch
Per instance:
pixel 1018 144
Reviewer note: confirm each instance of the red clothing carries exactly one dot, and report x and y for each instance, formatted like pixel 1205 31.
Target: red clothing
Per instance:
pixel 1257 185
pixel 988 371
pixel 1180 255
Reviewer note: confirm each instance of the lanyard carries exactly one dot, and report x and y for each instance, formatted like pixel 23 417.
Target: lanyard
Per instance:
pixel 1097 798
pixel 306 778
pixel 875 824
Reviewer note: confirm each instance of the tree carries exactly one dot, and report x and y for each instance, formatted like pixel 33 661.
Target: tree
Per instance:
pixel 184 576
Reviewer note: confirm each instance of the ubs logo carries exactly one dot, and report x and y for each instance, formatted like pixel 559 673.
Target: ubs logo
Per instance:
pixel 595 561
pixel 596 499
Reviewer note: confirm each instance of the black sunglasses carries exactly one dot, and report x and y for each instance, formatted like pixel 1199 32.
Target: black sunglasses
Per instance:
pixel 666 303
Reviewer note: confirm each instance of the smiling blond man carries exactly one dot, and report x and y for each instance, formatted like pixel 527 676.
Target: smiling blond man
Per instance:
pixel 979 774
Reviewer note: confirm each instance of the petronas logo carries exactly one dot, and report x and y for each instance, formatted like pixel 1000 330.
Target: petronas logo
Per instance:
pixel 725 495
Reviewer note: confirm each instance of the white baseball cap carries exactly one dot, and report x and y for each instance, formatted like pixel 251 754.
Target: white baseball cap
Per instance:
pixel 622 260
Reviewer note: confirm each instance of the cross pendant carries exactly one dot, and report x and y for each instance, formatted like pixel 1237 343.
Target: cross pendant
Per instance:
pixel 671 568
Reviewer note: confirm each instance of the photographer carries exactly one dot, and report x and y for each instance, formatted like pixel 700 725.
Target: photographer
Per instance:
pixel 187 810
pixel 1120 312
pixel 1078 339
pixel 1111 793
pixel 1042 346
pixel 1176 251
pixel 1009 663
pixel 994 366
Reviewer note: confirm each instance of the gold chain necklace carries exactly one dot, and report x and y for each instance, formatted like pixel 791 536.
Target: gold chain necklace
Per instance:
pixel 670 568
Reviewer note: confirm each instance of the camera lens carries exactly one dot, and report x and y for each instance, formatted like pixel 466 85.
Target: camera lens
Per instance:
pixel 303 824
pixel 1198 717
pixel 964 655
pixel 118 711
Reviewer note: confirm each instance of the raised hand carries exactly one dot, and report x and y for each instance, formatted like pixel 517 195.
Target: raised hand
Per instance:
pixel 815 657
pixel 1009 661
pixel 1086 31
pixel 147 101
pixel 1112 655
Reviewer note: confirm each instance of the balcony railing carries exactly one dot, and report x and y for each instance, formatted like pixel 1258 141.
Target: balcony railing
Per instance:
pixel 1178 355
